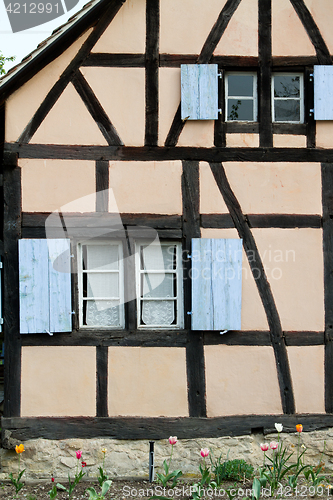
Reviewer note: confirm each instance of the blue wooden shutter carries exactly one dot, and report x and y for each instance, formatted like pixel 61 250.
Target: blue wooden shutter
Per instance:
pixel 216 284
pixel 323 92
pixel 199 92
pixel 45 286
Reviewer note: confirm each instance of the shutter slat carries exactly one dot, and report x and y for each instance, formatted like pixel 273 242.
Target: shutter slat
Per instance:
pixel 199 92
pixel 60 285
pixel 190 106
pixel 323 92
pixel 216 284
pixel 34 293
pixel 208 89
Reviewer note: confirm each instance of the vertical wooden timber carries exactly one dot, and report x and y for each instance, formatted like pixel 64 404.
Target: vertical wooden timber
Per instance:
pixel 129 274
pixel 102 186
pixel 152 68
pixel 309 104
pixel 12 233
pixel 264 289
pixel 102 381
pixel 265 73
pixel 195 361
pixel 219 125
pixel 327 199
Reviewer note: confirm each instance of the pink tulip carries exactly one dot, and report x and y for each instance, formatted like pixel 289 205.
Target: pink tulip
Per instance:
pixel 78 454
pixel 273 445
pixel 264 446
pixel 173 440
pixel 204 452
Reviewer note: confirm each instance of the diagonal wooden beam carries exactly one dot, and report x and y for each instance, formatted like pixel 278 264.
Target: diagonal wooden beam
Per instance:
pixel 313 32
pixel 264 289
pixel 206 53
pixel 66 76
pixel 96 110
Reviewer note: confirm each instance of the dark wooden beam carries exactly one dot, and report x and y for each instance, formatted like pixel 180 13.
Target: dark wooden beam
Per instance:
pixel 265 72
pixel 262 338
pixel 96 110
pixel 289 128
pixel 129 284
pixel 263 286
pixel 219 124
pixel 67 75
pixel 23 429
pixel 102 186
pixel 223 221
pixel 126 153
pixel 241 127
pixel 309 107
pixel 327 200
pixel 313 32
pixel 152 66
pixel 195 360
pixel 175 60
pixel 11 327
pixel 115 60
pixel 102 381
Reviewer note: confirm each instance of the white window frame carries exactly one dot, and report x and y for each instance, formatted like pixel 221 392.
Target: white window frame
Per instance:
pixel 179 286
pixel 254 96
pixel 300 98
pixel 121 283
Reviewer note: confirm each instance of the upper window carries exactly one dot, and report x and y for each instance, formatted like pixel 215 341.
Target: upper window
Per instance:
pixel 241 97
pixel 287 98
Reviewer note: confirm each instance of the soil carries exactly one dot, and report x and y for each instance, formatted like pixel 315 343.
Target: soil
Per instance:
pixel 128 489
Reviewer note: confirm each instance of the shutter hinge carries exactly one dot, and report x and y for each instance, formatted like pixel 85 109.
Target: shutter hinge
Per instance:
pixel 219 111
pixel 220 75
pixel 1 265
pixel 311 112
pixel 223 331
pixel 311 77
pixel 51 334
pixel 189 313
pixel 72 312
pixel 1 321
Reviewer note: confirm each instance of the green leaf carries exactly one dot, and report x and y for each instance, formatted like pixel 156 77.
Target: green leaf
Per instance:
pixel 256 486
pixel 106 487
pixel 165 466
pixel 92 493
pixel 61 487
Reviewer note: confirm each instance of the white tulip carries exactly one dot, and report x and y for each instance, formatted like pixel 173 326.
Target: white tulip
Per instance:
pixel 279 427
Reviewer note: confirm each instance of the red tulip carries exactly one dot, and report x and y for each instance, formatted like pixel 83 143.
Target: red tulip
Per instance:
pixel 204 452
pixel 78 454
pixel 84 464
pixel 173 440
pixel 52 479
pixel 264 446
pixel 273 445
pixel 299 427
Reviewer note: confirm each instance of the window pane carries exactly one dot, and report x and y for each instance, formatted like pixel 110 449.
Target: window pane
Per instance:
pixel 102 257
pixel 157 258
pixel 287 111
pixel 286 86
pixel 103 285
pixel 240 109
pixel 101 313
pixel 158 313
pixel 158 285
pixel 240 85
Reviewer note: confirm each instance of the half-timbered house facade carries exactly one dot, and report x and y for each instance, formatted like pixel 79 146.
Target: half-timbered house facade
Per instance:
pixel 167 221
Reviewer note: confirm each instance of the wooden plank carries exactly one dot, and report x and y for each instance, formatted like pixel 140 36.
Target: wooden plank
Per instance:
pixel 115 60
pixel 220 123
pixel 308 107
pixel 195 362
pixel 223 221
pixel 102 186
pixel 234 127
pixel 129 283
pixel 216 284
pixel 34 288
pixel 23 429
pixel 102 381
pixel 96 110
pixel 218 221
pixel 208 91
pixel 68 73
pixel 190 96
pixel 263 286
pixel 289 128
pixel 295 63
pixel 327 201
pixel 322 52
pixel 265 73
pixel 152 65
pixel 59 272
pixel 323 93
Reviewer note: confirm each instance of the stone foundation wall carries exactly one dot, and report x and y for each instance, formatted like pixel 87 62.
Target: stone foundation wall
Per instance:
pixel 129 459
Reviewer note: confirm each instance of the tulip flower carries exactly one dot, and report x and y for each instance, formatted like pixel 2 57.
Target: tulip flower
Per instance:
pixel 279 427
pixel 299 427
pixel 173 440
pixel 264 446
pixel 104 450
pixel 78 454
pixel 19 449
pixel 52 479
pixel 204 452
pixel 273 445
pixel 84 464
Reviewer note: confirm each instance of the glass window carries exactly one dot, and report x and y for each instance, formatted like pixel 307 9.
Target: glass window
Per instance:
pixel 241 97
pixel 287 98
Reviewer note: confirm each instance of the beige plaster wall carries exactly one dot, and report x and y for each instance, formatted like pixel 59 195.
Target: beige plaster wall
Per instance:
pixel 185 25
pixel 127 31
pixel 319 10
pixel 324 134
pixel 197 134
pixel 69 122
pixel 293 261
pixel 289 37
pixel 241 35
pixel 21 106
pixel 147 381
pixel 47 185
pixel 253 315
pixel 308 378
pixel 289 141
pixel 58 381
pixel 211 200
pixel 276 187
pixel 121 92
pixel 241 380
pixel 146 187
pixel 169 100
pixel 242 140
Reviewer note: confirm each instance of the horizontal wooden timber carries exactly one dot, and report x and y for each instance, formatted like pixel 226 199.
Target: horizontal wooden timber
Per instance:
pixel 20 429
pixel 115 60
pixel 224 221
pixel 167 338
pixel 242 127
pixel 289 128
pixel 100 233
pixel 147 153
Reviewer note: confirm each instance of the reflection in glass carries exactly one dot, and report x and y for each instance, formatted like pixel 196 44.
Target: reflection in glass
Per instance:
pixel 287 111
pixel 286 86
pixel 240 85
pixel 240 109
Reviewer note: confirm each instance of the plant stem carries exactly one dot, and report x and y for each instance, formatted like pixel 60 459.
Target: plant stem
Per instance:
pixel 170 457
